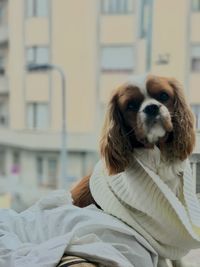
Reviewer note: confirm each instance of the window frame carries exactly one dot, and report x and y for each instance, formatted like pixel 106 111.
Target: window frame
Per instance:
pixel 34 9
pixel 194 9
pixel 44 178
pixel 110 10
pixel 16 162
pixel 145 6
pixel 35 49
pixel 33 125
pixel 4 106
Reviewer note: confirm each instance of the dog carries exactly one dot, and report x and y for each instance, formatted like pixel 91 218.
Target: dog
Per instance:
pixel 146 112
pixel 142 113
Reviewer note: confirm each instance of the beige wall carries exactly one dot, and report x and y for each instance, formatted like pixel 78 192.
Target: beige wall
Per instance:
pixel 115 30
pixel 16 66
pixel 194 78
pixel 37 87
pixel 74 49
pixel 194 86
pixel 109 82
pixel 72 33
pixel 169 37
pixel 75 34
pixel 118 29
pixel 36 31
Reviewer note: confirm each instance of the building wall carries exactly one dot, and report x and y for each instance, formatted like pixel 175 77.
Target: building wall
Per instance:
pixel 194 78
pixel 16 66
pixel 115 31
pixel 76 34
pixel 69 31
pixel 170 38
pixel 74 49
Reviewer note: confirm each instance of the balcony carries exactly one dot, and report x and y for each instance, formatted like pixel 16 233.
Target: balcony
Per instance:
pixel 47 141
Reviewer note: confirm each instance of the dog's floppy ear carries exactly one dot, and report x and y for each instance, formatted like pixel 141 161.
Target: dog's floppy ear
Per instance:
pixel 115 146
pixel 183 124
pixel 81 194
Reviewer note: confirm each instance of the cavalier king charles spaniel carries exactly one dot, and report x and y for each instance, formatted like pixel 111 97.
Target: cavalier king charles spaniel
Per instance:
pixel 145 112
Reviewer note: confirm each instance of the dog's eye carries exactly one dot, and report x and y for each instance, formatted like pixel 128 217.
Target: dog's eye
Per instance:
pixel 133 106
pixel 163 97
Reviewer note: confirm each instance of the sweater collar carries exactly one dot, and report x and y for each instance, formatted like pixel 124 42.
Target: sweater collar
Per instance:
pixel 119 195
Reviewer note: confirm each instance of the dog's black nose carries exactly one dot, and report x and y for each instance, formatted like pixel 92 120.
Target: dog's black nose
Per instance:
pixel 151 110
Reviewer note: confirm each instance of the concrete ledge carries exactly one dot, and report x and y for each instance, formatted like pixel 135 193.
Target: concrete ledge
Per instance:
pixel 48 141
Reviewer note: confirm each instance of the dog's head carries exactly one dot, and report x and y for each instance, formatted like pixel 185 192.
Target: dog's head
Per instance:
pixel 144 112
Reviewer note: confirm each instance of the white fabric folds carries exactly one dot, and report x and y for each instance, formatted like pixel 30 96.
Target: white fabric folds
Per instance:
pixel 141 198
pixel 39 236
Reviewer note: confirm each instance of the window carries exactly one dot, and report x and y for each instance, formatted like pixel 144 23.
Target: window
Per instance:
pixel 2 162
pixel 145 17
pixel 52 172
pixel 116 6
pixel 37 8
pixel 40 170
pixel 195 58
pixel 3 11
pixel 16 163
pixel 37 55
pixel 47 170
pixel 196 5
pixel 117 58
pixel 196 111
pixel 3 111
pixel 38 116
pixel 2 65
pixel 197 177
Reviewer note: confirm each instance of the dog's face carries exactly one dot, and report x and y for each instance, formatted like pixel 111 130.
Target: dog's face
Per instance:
pixel 144 112
pixel 147 107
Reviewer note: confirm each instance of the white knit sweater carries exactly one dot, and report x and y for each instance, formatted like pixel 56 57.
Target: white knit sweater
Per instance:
pixel 141 197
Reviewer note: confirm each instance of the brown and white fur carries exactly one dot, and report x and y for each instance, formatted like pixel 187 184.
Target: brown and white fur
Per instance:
pixel 144 112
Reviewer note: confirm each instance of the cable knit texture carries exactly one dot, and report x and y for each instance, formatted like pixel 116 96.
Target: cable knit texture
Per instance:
pixel 155 198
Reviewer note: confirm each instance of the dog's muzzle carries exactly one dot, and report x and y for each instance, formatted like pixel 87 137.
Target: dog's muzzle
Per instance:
pixel 154 120
pixel 151 110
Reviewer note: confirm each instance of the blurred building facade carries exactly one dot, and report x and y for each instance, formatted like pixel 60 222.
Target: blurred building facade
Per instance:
pixel 98 44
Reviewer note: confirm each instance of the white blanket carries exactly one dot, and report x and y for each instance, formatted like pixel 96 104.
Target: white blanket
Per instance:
pixel 39 236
